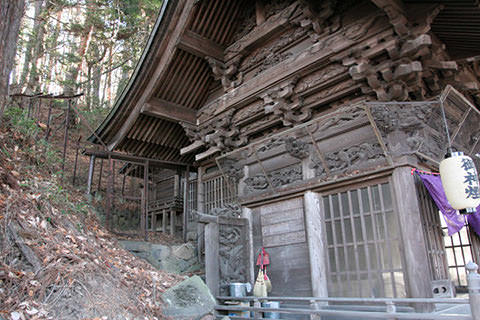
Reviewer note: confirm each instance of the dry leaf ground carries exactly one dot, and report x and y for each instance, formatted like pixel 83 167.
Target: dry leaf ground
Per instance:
pixel 56 260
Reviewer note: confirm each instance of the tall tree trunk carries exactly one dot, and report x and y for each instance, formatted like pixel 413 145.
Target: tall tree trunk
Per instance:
pixel 52 57
pixel 74 70
pixel 32 40
pixel 11 13
pixel 124 78
pixel 88 84
pixel 39 49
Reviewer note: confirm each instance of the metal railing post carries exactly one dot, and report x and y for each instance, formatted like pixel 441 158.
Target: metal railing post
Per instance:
pixel 391 308
pixel 474 289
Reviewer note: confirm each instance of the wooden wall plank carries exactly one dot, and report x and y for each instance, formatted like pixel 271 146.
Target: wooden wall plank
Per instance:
pixel 285 241
pixel 416 259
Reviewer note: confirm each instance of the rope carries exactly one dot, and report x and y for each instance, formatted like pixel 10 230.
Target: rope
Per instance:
pixel 415 170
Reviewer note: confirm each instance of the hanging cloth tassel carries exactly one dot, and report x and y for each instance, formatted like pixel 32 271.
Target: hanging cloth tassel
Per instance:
pixel 260 289
pixel 268 283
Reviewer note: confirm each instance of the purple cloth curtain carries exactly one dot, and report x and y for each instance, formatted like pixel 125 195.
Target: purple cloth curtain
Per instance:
pixel 454 221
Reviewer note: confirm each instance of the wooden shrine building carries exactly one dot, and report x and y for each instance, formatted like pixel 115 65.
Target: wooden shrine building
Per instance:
pixel 300 123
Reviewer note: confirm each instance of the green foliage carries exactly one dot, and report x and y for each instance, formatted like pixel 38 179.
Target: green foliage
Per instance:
pixel 43 153
pixel 60 199
pixel 51 158
pixel 21 123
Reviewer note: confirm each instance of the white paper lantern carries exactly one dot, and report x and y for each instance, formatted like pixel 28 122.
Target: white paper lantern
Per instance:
pixel 460 182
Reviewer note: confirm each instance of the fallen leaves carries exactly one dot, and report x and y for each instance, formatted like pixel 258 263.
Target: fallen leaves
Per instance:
pixel 78 265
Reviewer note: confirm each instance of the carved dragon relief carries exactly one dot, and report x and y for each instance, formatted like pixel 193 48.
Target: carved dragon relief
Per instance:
pixel 407 129
pixel 232 168
pixel 277 178
pixel 232 247
pixel 229 210
pixel 347 159
pixel 242 45
pixel 231 256
pixel 299 18
pixel 341 117
pixel 267 55
pixel 297 148
pixel 319 77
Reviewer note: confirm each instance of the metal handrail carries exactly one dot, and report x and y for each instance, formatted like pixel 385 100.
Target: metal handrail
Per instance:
pixel 353 314
pixel 344 313
pixel 361 300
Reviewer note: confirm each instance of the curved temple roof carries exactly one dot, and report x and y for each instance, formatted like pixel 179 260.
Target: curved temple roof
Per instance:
pixel 173 79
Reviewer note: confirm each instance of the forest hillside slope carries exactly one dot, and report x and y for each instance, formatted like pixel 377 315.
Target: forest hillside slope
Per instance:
pixel 56 260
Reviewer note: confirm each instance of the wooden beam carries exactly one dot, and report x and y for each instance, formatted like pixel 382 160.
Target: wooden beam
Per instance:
pixel 192 147
pixel 397 5
pixel 134 159
pixel 206 154
pixel 160 108
pixel 200 46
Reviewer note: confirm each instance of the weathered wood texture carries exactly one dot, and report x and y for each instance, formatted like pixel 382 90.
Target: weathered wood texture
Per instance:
pixel 316 240
pixel 283 229
pixel 414 247
pixel 247 213
pixel 212 268
pixel 168 110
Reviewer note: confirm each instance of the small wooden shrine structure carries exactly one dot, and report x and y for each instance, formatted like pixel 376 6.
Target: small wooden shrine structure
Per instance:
pixel 302 120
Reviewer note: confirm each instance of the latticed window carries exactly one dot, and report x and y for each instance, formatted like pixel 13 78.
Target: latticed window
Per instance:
pixel 192 198
pixel 363 240
pixel 459 252
pixel 447 254
pixel 218 192
pixel 432 229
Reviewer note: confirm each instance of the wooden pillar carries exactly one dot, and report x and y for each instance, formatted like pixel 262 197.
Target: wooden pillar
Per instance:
pixel 109 208
pixel 77 147
pixel 200 208
pixel 91 168
pixel 123 183
pixel 164 221
pixel 316 240
pixel 185 204
pixel 100 176
pixel 473 289
pixel 145 195
pixel 212 268
pixel 417 275
pixel 172 222
pixel 247 214
pixel 176 185
pixel 153 218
